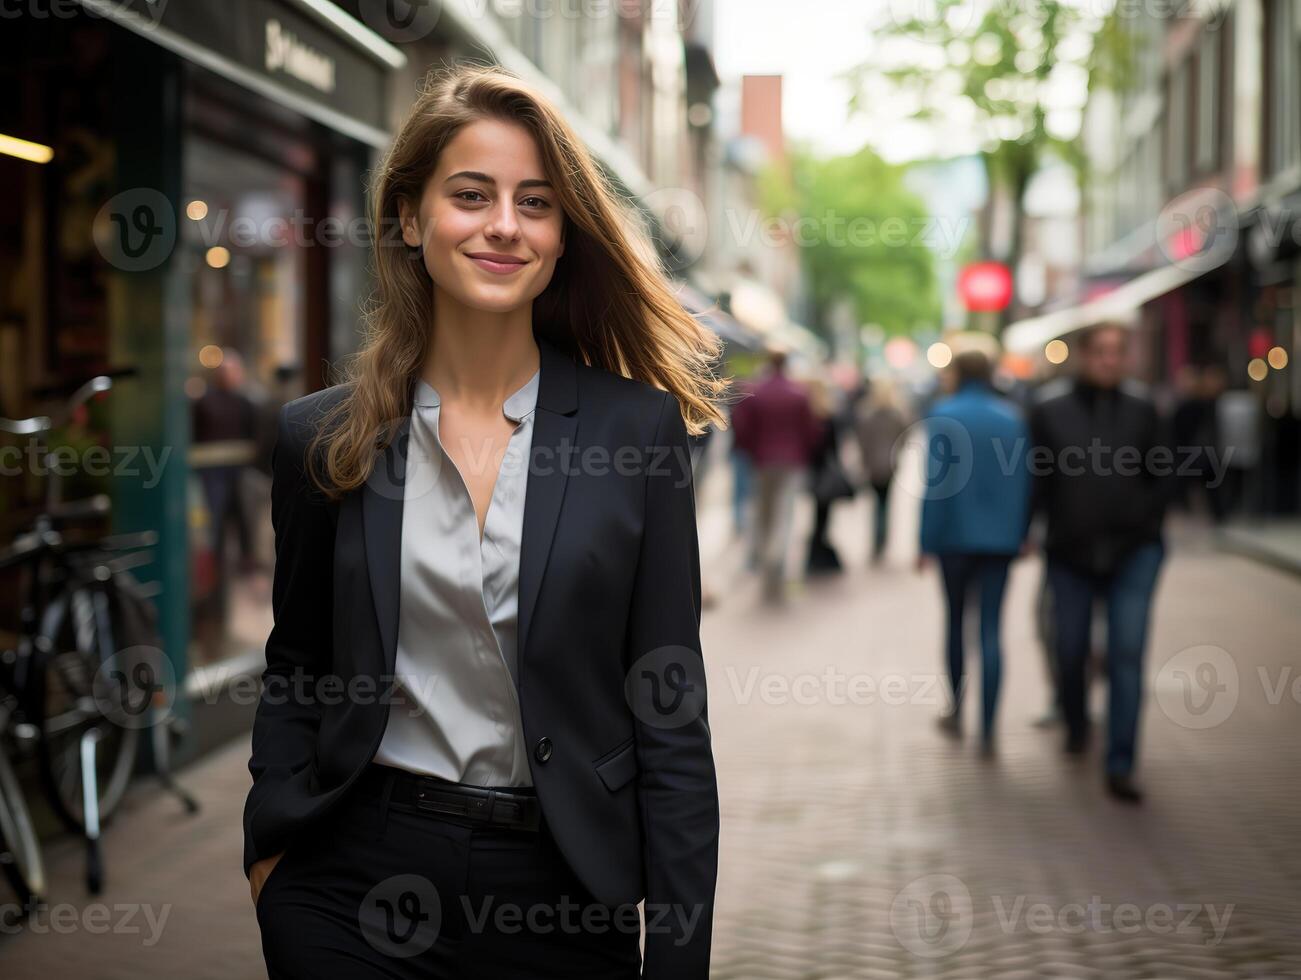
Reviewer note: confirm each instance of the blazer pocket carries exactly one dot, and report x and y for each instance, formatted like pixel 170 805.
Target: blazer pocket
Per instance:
pixel 619 767
pixel 273 876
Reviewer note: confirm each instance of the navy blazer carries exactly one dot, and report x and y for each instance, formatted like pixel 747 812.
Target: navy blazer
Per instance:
pixel 611 676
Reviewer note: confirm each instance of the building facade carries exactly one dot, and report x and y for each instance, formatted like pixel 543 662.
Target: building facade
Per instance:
pixel 1190 210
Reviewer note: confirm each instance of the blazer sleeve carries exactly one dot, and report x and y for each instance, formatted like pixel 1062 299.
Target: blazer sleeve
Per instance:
pixel 300 642
pixel 678 791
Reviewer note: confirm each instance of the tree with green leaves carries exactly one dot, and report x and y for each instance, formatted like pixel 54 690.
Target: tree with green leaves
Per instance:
pixel 862 238
pixel 1013 74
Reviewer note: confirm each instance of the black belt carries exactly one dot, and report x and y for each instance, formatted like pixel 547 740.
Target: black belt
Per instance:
pixel 516 808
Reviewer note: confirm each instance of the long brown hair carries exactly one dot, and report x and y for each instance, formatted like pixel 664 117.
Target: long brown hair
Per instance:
pixel 608 302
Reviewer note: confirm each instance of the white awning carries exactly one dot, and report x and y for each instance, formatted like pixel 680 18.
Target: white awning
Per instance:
pixel 1122 303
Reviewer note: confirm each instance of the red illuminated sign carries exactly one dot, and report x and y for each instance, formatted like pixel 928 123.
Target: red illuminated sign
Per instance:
pixel 985 287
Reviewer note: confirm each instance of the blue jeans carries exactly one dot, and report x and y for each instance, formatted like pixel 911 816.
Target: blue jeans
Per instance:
pixel 742 477
pixel 880 525
pixel 988 573
pixel 1128 594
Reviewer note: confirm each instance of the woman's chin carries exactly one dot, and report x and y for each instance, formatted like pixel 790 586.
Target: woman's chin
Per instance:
pixel 494 300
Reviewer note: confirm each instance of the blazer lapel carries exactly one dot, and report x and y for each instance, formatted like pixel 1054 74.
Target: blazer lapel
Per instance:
pixel 555 423
pixel 381 517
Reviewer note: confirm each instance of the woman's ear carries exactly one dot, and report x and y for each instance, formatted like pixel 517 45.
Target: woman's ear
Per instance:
pixel 410 224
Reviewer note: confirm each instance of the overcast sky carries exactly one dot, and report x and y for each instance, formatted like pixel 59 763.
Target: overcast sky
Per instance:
pixel 807 43
pixel 810 41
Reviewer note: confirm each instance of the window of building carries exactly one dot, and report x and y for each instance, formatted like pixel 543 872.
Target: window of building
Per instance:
pixel 1176 123
pixel 1282 129
pixel 1208 101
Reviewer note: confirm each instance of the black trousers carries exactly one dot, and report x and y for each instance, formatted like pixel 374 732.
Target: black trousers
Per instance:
pixel 376 889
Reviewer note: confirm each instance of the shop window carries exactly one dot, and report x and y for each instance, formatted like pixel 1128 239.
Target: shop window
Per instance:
pixel 246 263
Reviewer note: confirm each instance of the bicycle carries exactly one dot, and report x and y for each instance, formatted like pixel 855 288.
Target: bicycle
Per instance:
pixel 69 693
pixel 20 852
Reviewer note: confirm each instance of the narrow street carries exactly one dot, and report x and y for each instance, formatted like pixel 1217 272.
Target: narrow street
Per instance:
pixel 857 840
pixel 860 842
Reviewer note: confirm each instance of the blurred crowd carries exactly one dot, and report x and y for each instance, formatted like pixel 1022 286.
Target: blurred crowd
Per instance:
pixel 1080 469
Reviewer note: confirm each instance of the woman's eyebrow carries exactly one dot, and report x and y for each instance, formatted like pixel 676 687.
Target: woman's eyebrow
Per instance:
pixel 484 178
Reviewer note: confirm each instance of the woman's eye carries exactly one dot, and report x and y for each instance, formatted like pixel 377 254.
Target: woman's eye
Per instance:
pixel 476 197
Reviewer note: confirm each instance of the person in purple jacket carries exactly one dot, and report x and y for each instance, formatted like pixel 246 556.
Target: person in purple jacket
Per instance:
pixel 776 428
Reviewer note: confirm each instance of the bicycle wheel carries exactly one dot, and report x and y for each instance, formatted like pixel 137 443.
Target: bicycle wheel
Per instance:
pixel 20 850
pixel 77 625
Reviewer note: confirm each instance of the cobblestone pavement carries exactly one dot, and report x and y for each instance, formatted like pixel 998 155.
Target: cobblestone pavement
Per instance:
pixel 860 842
pixel 857 840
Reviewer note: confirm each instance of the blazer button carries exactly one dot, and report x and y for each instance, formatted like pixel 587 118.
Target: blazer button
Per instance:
pixel 543 751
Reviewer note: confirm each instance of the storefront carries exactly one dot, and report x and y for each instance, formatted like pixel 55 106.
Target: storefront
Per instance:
pixel 193 209
pixel 1271 346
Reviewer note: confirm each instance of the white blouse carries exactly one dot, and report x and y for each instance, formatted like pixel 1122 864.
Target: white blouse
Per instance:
pixel 457 657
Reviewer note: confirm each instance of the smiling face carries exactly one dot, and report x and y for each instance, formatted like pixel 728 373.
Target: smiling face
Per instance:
pixel 488 219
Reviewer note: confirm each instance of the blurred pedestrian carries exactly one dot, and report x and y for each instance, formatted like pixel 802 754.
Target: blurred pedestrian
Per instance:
pixel 1213 472
pixel 1238 417
pixel 974 519
pixel 1187 421
pixel 776 429
pixel 1194 427
pixel 1103 492
pixel 828 479
pixel 878 426
pixel 699 470
pixel 225 418
pixel 742 467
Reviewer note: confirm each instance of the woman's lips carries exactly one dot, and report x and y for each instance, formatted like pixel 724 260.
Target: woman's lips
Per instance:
pixel 500 268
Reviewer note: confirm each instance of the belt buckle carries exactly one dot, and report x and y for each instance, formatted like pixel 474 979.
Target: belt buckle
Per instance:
pixel 471 800
pixel 484 802
pixel 510 808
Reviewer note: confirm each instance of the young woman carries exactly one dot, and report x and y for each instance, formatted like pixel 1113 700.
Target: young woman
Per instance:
pixel 482 738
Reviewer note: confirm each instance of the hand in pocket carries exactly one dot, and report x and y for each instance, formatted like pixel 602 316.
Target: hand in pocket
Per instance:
pixel 259 872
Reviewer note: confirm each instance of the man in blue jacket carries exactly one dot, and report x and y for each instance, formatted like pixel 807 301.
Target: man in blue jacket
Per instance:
pixel 974 517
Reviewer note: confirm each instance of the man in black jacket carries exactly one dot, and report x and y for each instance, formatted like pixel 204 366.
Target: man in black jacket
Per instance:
pixel 1103 477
